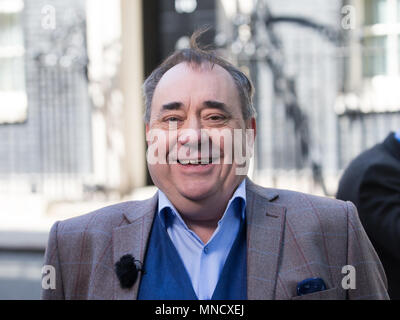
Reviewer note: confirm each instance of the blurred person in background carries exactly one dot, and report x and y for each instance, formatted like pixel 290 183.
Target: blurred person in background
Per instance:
pixel 210 232
pixel 372 183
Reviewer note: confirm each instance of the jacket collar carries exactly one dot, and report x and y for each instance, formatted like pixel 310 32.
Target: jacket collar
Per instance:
pixel 265 228
pixel 132 239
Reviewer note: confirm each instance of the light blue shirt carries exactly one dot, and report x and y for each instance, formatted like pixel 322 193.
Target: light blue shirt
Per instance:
pixel 397 135
pixel 204 262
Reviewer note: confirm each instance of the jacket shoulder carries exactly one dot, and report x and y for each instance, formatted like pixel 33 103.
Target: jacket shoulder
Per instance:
pixel 104 219
pixel 95 229
pixel 360 164
pixel 88 237
pixel 310 209
pixel 293 200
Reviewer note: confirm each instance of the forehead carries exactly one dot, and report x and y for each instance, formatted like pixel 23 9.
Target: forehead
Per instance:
pixel 193 84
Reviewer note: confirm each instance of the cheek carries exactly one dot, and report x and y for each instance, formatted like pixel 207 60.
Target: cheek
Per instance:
pixel 222 139
pixel 171 145
pixel 160 144
pixel 160 174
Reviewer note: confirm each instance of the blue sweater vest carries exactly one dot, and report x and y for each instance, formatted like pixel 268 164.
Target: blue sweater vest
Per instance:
pixel 165 276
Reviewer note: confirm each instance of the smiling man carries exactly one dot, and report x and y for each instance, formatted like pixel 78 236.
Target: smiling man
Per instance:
pixel 209 232
pixel 207 99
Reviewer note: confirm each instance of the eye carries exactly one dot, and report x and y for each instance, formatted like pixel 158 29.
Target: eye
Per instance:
pixel 216 117
pixel 171 119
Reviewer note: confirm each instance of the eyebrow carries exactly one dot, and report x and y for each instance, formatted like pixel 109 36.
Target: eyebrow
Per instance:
pixel 208 103
pixel 216 105
pixel 172 106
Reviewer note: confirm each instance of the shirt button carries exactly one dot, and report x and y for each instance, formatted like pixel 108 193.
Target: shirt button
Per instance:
pixel 205 250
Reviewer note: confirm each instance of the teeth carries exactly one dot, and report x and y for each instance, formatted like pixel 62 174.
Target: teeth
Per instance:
pixel 195 162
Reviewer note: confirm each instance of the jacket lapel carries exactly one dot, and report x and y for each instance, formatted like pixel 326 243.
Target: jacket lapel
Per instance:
pixel 132 239
pixel 265 226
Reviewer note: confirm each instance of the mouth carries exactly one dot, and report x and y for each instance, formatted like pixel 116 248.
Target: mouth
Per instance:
pixel 197 166
pixel 202 162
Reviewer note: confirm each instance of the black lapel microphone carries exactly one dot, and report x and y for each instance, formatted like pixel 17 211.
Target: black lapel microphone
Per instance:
pixel 127 269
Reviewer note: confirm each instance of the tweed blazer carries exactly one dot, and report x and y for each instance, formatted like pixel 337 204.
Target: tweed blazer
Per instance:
pixel 291 236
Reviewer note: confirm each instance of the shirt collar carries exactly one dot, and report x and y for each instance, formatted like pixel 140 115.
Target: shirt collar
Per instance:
pixel 164 205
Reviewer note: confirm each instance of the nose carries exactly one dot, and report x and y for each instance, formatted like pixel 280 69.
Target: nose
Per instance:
pixel 190 132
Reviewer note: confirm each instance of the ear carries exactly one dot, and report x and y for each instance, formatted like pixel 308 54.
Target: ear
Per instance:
pixel 251 124
pixel 147 131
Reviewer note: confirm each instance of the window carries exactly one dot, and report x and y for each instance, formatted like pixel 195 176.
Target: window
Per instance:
pixel 375 12
pixel 374 56
pixel 381 34
pixel 13 102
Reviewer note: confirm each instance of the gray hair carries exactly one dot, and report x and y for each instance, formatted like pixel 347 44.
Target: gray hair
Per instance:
pixel 197 56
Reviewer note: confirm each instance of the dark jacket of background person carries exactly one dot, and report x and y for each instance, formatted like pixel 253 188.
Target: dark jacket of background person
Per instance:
pixel 372 183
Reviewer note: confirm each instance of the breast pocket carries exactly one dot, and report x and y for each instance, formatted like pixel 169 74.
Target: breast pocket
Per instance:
pixel 330 294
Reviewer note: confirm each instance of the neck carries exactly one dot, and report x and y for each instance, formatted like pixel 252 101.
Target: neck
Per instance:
pixel 202 216
pixel 204 229
pixel 206 212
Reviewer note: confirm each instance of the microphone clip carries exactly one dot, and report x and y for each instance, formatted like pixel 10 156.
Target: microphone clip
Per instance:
pixel 127 269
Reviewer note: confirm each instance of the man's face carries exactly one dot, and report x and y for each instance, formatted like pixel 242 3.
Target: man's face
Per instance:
pixel 196 108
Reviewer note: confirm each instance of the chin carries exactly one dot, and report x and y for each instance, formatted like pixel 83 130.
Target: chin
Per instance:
pixel 195 191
